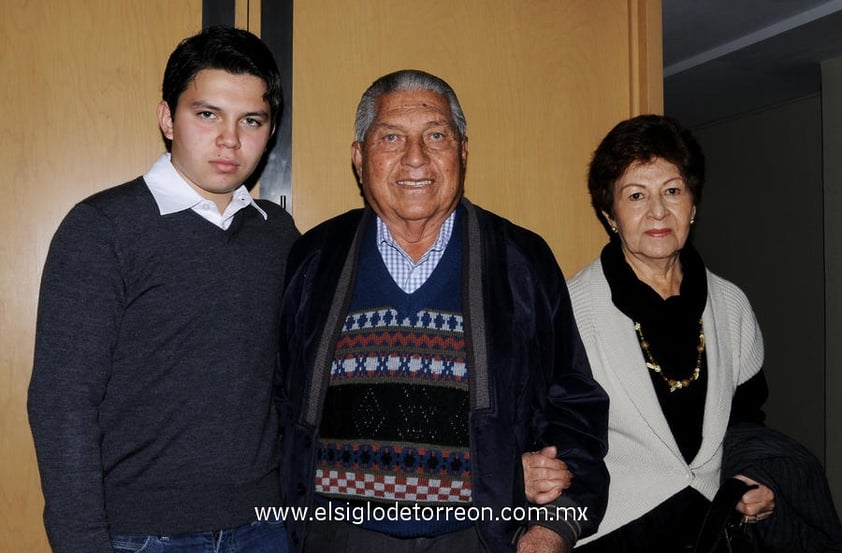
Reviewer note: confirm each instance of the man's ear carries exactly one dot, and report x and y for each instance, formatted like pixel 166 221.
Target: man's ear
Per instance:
pixel 357 159
pixel 165 119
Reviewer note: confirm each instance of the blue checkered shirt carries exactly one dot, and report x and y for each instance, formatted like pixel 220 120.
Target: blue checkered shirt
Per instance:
pixel 407 274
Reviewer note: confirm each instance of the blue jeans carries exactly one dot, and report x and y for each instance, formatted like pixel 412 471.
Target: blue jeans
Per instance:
pixel 257 537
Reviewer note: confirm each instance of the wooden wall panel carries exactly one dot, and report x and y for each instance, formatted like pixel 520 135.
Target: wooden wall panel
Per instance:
pixel 540 82
pixel 81 82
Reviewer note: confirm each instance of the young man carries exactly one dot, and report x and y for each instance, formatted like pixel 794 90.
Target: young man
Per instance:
pixel 150 400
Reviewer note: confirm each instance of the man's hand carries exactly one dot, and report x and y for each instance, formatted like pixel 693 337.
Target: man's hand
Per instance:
pixel 758 503
pixel 544 476
pixel 541 540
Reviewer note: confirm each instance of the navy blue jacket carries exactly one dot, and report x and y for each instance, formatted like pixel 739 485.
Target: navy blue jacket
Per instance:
pixel 531 384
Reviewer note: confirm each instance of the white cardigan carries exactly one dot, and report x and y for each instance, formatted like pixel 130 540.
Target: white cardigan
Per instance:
pixel 643 458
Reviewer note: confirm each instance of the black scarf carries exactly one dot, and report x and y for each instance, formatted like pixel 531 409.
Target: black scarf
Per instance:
pixel 671 327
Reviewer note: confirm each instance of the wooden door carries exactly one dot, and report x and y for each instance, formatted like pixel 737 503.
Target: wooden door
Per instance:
pixel 540 81
pixel 81 80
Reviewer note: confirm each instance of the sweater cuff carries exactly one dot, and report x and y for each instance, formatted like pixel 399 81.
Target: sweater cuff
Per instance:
pixel 560 516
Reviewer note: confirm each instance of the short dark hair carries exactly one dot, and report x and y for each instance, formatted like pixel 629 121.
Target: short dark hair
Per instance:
pixel 403 81
pixel 642 139
pixel 229 49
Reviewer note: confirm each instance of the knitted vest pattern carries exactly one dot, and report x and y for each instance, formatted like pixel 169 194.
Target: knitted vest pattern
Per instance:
pixel 395 424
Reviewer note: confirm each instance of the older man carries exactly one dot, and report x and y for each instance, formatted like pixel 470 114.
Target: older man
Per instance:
pixel 426 344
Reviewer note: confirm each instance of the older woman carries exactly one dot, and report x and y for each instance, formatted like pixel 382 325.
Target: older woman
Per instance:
pixel 677 348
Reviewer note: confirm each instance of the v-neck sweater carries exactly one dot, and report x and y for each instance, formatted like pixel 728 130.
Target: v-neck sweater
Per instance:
pixel 151 397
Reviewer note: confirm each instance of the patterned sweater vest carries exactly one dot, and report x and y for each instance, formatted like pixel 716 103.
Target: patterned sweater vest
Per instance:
pixel 395 424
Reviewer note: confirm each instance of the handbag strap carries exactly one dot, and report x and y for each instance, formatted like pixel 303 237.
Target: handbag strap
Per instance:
pixel 721 509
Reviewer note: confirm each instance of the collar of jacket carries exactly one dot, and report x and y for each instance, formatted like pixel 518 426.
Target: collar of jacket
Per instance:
pixel 473 313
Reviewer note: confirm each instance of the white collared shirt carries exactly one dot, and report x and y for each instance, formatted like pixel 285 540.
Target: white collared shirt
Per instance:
pixel 173 194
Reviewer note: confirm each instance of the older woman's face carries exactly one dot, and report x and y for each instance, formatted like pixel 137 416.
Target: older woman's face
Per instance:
pixel 652 211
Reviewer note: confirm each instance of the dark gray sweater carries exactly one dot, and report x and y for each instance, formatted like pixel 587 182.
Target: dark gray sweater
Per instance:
pixel 150 400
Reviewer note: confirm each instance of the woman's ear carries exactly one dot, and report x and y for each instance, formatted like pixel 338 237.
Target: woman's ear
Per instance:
pixel 609 220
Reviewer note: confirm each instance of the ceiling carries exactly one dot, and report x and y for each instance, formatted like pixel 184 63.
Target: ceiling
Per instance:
pixel 726 58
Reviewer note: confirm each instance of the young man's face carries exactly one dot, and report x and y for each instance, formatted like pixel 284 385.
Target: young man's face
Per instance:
pixel 219 132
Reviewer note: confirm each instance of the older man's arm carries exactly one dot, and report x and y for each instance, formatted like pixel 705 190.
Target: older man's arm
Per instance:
pixel 573 415
pixel 542 540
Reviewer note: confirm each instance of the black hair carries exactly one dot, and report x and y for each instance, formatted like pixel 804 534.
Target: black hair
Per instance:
pixel 227 48
pixel 643 139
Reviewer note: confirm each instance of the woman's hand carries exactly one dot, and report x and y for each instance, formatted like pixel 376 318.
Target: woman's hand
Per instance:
pixel 756 504
pixel 544 476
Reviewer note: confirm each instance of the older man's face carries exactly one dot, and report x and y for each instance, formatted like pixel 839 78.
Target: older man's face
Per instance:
pixel 412 162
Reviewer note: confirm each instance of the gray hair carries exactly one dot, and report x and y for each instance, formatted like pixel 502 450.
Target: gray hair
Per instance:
pixel 403 81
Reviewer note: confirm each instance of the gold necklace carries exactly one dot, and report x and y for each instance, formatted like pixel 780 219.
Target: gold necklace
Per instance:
pixel 672 383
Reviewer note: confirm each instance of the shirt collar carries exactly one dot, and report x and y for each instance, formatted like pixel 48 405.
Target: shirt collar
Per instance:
pixel 173 194
pixel 385 237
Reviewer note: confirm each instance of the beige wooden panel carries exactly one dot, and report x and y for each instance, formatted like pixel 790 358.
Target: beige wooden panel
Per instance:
pixel 81 79
pixel 540 81
pixel 247 15
pixel 646 57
